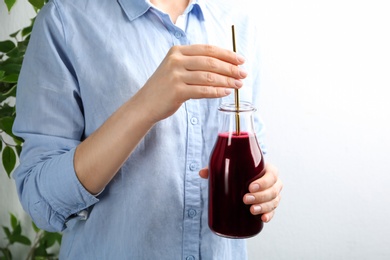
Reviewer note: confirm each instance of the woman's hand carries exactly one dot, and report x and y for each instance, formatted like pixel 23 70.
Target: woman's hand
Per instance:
pixel 264 193
pixel 191 72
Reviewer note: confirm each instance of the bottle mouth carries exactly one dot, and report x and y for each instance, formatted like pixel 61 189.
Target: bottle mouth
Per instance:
pixel 243 106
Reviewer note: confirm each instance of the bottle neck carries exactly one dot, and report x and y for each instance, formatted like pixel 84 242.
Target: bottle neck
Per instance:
pixel 236 122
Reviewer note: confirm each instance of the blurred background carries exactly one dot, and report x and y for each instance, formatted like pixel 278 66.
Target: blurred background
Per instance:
pixel 325 92
pixel 326 105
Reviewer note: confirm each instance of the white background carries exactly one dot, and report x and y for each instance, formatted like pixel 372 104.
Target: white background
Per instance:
pixel 326 81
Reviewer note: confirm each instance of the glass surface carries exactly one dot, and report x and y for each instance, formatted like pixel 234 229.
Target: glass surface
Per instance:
pixel 235 162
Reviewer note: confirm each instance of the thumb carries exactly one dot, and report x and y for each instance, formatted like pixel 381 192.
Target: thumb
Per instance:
pixel 204 173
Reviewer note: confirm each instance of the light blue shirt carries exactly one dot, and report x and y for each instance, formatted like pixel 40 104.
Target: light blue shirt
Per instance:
pixel 84 60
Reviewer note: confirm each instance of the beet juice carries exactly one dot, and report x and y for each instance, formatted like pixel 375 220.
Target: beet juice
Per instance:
pixel 235 162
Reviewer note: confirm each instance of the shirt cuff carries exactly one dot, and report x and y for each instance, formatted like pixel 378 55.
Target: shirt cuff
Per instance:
pixel 61 187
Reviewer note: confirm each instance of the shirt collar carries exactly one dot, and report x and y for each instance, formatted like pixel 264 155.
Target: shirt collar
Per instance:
pixel 136 8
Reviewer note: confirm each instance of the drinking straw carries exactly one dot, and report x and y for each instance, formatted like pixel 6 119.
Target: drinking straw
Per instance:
pixel 236 96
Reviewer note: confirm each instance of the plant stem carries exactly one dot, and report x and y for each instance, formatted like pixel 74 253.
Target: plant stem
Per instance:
pixel 35 244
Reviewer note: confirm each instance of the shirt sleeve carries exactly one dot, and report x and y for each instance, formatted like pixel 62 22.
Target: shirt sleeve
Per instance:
pixel 50 120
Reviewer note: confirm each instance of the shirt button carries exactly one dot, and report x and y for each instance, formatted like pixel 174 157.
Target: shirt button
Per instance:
pixel 83 215
pixel 191 257
pixel 178 34
pixel 193 166
pixel 194 120
pixel 191 213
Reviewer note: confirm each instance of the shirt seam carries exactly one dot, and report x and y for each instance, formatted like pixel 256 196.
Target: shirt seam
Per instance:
pixel 60 16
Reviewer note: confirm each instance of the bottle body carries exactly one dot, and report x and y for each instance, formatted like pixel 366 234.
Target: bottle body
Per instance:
pixel 235 162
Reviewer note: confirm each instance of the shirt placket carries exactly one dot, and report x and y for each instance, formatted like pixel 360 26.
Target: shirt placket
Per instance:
pixel 192 191
pixel 192 196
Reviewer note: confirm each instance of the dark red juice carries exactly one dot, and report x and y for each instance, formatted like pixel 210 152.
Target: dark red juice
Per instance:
pixel 236 161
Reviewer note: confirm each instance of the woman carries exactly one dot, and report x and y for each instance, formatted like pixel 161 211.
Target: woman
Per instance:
pixel 117 104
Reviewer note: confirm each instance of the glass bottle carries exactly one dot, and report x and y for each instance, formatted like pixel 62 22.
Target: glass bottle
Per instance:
pixel 235 162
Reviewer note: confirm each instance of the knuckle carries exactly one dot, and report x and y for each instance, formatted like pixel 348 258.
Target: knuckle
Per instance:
pixel 281 185
pixel 204 90
pixel 274 192
pixel 175 48
pixel 217 93
pixel 276 203
pixel 211 63
pixel 210 78
pixel 230 82
pixel 234 70
pixel 210 49
pixel 174 59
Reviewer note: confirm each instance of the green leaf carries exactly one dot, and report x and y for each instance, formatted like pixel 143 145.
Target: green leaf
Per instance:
pixel 22 240
pixel 26 31
pixel 11 61
pixel 58 237
pixel 13 35
pixel 10 68
pixel 4 89
pixel 40 252
pixel 36 229
pixel 17 230
pixel 9 160
pixel 50 239
pixel 18 148
pixel 6 254
pixel 10 4
pixel 13 78
pixel 13 221
pixel 6 124
pixel 38 4
pixel 9 93
pixel 6 46
pixel 15 53
pixel 6 110
pixel 7 232
pixel 18 142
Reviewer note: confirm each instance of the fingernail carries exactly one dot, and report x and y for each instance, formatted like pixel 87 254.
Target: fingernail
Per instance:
pixel 256 209
pixel 238 83
pixel 254 187
pixel 249 199
pixel 242 73
pixel 240 58
pixel 228 91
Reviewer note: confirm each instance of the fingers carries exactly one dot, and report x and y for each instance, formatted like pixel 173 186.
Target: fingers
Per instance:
pixel 267 208
pixel 214 67
pixel 208 78
pixel 211 51
pixel 264 196
pixel 266 217
pixel 208 66
pixel 267 180
pixel 191 72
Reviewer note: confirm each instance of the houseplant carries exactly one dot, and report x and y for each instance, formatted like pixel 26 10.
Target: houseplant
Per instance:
pixel 12 53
